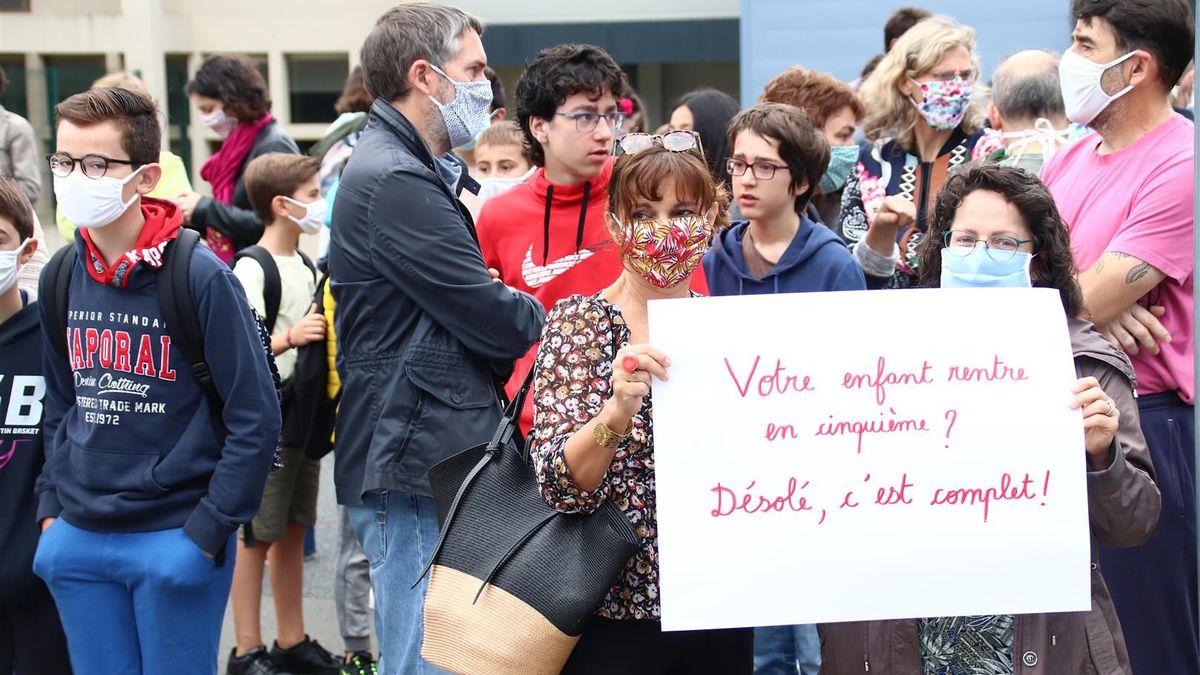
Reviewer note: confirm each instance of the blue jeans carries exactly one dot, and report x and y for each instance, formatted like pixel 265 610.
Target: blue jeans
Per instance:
pixel 397 531
pixel 786 650
pixel 144 602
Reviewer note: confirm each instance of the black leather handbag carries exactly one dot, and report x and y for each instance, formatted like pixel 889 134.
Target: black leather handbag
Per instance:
pixel 513 582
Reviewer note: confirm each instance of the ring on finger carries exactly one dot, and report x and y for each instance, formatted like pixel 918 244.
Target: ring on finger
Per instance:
pixel 1112 409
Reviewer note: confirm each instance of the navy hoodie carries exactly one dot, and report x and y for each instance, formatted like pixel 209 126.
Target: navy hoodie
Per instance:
pixel 130 442
pixel 816 260
pixel 22 390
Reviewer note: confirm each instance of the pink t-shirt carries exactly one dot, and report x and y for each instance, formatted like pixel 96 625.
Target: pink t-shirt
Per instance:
pixel 1138 201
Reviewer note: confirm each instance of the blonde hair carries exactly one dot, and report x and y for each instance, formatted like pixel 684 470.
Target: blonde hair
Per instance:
pixel 889 112
pixel 124 81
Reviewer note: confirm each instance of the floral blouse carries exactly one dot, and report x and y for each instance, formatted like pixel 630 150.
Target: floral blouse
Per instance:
pixel 572 380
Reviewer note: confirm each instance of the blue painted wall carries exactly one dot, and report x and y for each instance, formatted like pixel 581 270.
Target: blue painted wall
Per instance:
pixel 840 36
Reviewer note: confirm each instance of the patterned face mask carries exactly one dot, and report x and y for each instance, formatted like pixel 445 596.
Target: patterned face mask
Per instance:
pixel 945 102
pixel 665 252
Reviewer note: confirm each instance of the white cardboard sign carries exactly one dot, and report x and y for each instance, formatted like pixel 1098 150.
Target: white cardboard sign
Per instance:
pixel 825 457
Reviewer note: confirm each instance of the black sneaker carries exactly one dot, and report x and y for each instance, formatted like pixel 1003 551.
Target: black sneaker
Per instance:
pixel 360 663
pixel 255 662
pixel 306 658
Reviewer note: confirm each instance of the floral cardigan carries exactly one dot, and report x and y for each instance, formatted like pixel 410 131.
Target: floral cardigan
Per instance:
pixel 571 382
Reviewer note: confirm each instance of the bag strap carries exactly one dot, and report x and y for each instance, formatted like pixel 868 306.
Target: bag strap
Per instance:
pixel 55 294
pixel 178 310
pixel 503 435
pixel 272 284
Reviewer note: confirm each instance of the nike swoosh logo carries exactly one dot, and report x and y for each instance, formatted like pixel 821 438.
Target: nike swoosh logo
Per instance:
pixel 536 276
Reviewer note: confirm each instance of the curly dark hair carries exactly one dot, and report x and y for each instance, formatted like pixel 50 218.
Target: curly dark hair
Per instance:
pixel 1053 265
pixel 557 74
pixel 233 80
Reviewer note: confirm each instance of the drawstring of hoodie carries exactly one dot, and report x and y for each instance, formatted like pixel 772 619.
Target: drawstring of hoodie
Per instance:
pixel 546 225
pixel 583 207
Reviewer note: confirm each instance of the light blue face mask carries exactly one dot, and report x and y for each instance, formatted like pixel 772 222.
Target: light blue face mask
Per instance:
pixel 978 270
pixel 842 159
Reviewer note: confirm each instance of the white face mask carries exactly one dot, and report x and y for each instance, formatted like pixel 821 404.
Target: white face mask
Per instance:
pixel 221 124
pixel 490 187
pixel 93 202
pixel 1084 97
pixel 314 215
pixel 10 265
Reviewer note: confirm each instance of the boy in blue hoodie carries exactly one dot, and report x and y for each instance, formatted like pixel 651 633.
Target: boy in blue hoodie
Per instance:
pixel 777 162
pixel 143 486
pixel 31 636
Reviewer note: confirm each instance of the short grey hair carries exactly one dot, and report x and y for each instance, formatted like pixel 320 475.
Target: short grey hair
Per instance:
pixel 1028 95
pixel 405 34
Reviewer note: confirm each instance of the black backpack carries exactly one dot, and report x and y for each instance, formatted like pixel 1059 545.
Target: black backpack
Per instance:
pixel 175 303
pixel 313 412
pixel 272 284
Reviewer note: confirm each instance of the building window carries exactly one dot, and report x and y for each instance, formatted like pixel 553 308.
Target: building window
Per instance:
pixel 179 108
pixel 13 96
pixel 14 5
pixel 314 83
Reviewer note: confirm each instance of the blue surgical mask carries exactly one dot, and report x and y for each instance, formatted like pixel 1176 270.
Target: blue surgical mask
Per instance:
pixel 842 159
pixel 978 270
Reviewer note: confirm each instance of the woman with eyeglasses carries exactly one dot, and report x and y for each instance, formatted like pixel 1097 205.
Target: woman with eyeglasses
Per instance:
pixel 923 122
pixel 777 162
pixel 593 439
pixel 997 226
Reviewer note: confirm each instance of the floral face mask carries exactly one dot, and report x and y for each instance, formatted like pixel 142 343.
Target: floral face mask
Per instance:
pixel 945 102
pixel 666 251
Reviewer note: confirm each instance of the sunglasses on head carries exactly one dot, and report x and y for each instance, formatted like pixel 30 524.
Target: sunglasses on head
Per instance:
pixel 672 141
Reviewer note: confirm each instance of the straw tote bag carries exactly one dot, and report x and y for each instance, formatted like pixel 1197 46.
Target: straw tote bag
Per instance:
pixel 513 582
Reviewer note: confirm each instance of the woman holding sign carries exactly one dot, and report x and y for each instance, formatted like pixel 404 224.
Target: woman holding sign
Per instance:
pixel 592 439
pixel 996 226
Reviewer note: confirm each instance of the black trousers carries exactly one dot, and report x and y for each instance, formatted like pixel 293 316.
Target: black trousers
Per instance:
pixel 32 641
pixel 1153 586
pixel 642 648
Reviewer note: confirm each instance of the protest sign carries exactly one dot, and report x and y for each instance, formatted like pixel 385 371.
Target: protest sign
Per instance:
pixel 826 457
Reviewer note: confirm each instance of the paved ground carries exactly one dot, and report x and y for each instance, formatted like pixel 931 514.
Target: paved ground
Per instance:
pixel 320 618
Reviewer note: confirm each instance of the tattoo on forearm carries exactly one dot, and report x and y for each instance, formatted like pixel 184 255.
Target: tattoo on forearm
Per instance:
pixel 1099 266
pixel 1137 273
pixel 1118 254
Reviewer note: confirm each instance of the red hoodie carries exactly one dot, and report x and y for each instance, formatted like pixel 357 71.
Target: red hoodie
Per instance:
pixel 571 253
pixel 550 241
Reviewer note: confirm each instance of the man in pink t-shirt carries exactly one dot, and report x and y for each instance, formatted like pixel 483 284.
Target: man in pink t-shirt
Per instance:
pixel 1126 193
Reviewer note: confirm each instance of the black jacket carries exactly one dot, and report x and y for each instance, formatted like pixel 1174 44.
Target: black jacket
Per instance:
pixel 22 393
pixel 423 330
pixel 237 220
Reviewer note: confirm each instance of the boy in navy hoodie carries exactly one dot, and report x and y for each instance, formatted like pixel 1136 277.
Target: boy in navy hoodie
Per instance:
pixel 777 162
pixel 143 486
pixel 31 637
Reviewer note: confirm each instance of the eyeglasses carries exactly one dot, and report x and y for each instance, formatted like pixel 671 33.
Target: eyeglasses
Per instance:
pixel 761 170
pixel 999 248
pixel 586 122
pixel 93 166
pixel 673 141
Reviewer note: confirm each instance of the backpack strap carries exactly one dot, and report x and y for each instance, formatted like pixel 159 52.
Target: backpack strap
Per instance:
pixel 179 311
pixel 308 263
pixel 55 295
pixel 272 285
